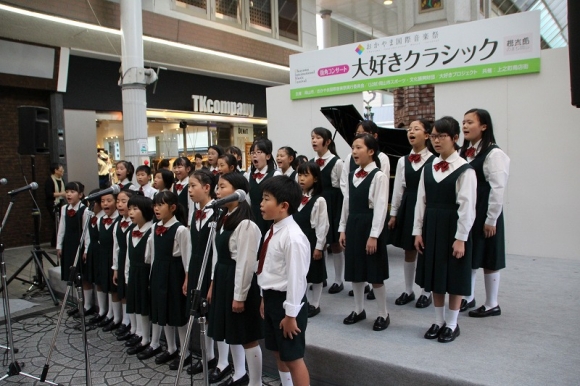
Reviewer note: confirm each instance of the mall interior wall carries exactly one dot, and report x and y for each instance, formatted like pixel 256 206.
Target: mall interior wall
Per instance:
pixel 535 123
pixel 81 153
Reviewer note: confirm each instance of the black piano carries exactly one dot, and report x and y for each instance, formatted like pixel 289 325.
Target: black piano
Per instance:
pixel 393 142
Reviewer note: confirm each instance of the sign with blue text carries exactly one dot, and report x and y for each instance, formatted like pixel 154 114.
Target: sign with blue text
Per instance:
pixel 506 45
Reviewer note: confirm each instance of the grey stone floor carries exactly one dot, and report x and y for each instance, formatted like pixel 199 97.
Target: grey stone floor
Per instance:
pixel 34 328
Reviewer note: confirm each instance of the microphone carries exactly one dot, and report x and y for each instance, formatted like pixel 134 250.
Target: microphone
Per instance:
pixel 32 186
pixel 114 189
pixel 3 181
pixel 239 195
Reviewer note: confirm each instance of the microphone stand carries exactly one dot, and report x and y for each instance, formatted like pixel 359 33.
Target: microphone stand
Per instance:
pixel 14 367
pixel 75 278
pixel 199 304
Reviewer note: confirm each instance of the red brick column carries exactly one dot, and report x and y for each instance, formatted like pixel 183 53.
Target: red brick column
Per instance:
pixel 414 102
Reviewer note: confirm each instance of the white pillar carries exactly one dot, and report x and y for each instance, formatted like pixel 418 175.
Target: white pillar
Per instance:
pixel 133 82
pixel 326 28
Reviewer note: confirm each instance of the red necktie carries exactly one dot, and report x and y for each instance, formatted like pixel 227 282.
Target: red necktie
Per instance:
pixel 71 212
pixel 94 221
pixel 305 200
pixel 124 224
pixel 258 176
pixel 107 221
pixel 443 166
pixel 199 214
pixel 160 230
pixel 215 172
pixel 470 152
pixel 121 186
pixel 141 189
pixel 320 162
pixel 264 250
pixel 361 174
pixel 415 158
pixel 137 234
pixel 178 187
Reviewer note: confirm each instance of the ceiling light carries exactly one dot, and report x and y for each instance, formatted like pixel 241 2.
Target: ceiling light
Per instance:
pixel 388 2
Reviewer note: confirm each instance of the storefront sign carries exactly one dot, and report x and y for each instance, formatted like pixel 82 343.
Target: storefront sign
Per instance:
pixel 202 104
pixel 506 45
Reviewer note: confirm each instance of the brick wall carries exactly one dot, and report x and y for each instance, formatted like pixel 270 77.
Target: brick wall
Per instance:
pixel 20 224
pixel 160 26
pixel 414 102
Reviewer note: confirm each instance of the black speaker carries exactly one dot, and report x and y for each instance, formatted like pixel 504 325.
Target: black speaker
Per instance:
pixel 33 130
pixel 574 49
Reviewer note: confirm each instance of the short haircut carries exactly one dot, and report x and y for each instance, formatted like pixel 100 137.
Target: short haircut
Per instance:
pixel 368 126
pixel 284 189
pixel 145 205
pixel 167 177
pixel 143 168
pixel 54 167
pixel 163 164
pixel 76 186
pixel 313 169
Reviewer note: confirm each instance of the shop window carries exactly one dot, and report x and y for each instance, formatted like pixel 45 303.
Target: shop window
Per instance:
pixel 261 15
pixel 228 10
pixel 288 19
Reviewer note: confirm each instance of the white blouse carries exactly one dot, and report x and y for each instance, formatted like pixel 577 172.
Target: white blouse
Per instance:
pixel 400 183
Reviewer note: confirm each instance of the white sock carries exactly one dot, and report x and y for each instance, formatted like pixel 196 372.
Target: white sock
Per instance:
pixel 409 271
pixel 102 302
pixel 223 352
pixel 491 289
pixel 451 318
pixel 425 293
pixel 209 351
pixel 111 312
pixel 126 319
pixel 146 330
pixel 316 294
pixel 381 295
pixel 473 275
pixel 254 359
pixel 239 358
pixel 285 378
pixel 170 338
pixel 358 290
pixel 338 267
pixel 439 316
pixel 133 321
pixel 88 295
pixel 117 312
pixel 156 335
pixel 182 331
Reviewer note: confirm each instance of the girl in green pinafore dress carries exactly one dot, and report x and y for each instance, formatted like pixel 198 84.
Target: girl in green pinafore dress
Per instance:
pixel 444 215
pixel 363 231
pixel 403 206
pixel 491 167
pixel 234 314
pixel 312 217
pixel 169 250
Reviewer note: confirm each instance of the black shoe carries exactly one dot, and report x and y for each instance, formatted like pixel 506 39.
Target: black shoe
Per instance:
pixel 424 301
pixel 105 322
pixel 123 329
pixel 217 375
pixel 354 317
pixel 175 364
pixel 138 348
pixel 146 353
pixel 198 367
pixel 405 298
pixel 434 331
pixel 465 306
pixel 367 290
pixel 111 326
pixel 242 381
pixel 134 341
pixel 381 323
pixel 166 357
pixel 313 311
pixel 448 335
pixel 481 312
pixel 72 311
pixel 371 295
pixel 95 320
pixel 335 288
pixel 90 311
pixel 125 336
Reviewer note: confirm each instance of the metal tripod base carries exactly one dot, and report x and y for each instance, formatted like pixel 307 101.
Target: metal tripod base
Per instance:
pixel 14 369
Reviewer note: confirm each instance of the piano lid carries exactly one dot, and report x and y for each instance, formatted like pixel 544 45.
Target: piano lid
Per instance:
pixel 345 120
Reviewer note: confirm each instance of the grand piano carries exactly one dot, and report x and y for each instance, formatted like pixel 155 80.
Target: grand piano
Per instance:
pixel 393 142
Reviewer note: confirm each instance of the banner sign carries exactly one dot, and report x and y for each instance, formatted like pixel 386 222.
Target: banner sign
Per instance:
pixel 506 45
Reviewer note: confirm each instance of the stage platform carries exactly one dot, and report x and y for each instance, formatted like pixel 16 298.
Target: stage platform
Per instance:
pixel 533 342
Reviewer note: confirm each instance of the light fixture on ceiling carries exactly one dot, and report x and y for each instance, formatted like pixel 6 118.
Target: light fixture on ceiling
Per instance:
pixel 388 2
